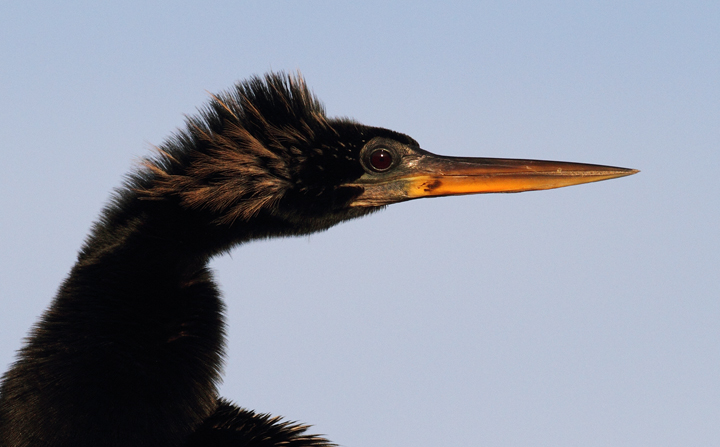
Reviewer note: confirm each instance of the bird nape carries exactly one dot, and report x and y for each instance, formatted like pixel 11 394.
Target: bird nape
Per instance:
pixel 129 351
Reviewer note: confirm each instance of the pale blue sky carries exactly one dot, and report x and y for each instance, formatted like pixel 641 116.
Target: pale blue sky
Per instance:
pixel 582 316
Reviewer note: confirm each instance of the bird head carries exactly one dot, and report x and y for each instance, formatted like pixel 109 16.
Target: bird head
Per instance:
pixel 266 150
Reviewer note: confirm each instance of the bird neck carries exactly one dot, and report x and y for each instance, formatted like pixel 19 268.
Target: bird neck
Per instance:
pixel 134 335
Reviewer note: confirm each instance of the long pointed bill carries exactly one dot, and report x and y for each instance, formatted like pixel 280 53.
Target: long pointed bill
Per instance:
pixel 430 175
pixel 452 176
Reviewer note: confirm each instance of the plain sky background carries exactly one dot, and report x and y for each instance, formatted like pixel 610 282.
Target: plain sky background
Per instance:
pixel 584 316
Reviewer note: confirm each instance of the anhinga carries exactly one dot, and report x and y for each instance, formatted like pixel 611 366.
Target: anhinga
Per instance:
pixel 129 352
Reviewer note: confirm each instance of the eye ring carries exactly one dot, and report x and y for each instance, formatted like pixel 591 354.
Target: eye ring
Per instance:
pixel 380 159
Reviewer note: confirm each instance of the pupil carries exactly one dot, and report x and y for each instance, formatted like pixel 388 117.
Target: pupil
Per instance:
pixel 380 159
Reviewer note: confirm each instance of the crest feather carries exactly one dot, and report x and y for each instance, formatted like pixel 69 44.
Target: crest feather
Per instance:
pixel 234 158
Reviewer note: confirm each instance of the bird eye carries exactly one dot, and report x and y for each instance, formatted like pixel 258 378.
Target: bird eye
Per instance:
pixel 380 159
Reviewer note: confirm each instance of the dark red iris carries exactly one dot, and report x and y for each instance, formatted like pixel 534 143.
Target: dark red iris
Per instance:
pixel 380 159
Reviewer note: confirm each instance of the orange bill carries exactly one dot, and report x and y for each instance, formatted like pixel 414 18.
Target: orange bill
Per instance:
pixel 429 175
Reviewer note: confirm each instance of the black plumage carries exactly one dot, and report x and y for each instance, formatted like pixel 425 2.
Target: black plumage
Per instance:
pixel 129 352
